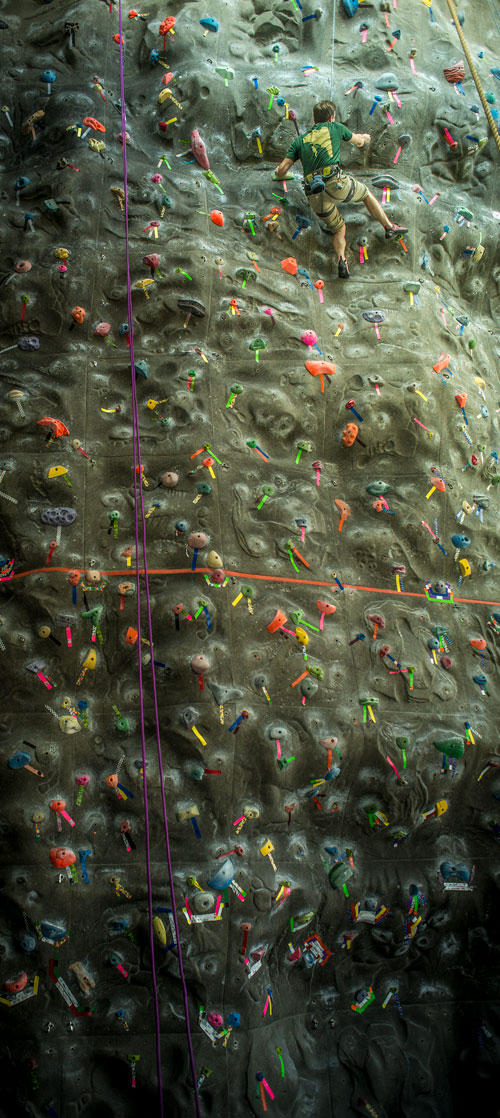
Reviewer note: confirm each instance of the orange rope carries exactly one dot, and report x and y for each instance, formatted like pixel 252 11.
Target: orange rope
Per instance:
pixel 246 574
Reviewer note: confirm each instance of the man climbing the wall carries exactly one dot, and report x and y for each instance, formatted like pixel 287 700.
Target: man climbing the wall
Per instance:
pixel 325 182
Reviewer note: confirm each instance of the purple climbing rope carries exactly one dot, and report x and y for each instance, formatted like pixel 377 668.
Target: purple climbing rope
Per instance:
pixel 139 513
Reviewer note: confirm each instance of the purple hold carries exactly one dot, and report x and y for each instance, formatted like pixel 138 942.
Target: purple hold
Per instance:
pixel 29 343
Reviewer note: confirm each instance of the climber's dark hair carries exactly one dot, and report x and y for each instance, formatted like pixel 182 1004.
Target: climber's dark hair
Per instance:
pixel 323 110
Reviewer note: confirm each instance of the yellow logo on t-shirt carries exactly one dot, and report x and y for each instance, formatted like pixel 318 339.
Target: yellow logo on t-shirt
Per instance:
pixel 319 138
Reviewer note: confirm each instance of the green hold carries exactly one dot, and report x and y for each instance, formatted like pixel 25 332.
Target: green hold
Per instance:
pixel 403 743
pixel 123 724
pixel 339 875
pixel 317 672
pixel 377 488
pixel 453 747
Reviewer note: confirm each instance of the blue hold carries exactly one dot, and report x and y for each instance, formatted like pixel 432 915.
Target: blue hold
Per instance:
pixel 154 57
pixel 209 24
pixel 48 77
pixel 28 942
pixel 234 1020
pixel 495 71
pixel 350 7
pixel 141 369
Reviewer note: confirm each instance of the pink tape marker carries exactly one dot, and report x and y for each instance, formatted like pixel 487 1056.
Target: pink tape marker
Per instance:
pixel 69 638
pixel 43 679
pixel 393 766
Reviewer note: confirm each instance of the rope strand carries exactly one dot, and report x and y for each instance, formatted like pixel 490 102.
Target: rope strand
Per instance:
pixel 139 512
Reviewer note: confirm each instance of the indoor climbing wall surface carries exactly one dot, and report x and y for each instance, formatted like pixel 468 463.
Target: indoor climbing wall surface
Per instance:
pixel 323 614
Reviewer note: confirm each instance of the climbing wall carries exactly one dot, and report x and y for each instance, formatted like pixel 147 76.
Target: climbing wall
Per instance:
pixel 249 584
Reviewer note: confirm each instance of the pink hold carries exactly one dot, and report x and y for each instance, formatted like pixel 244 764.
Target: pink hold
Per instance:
pixel 309 338
pixel 102 330
pixel 62 268
pixel 199 150
pixel 156 178
pixel 215 1020
pixel 127 137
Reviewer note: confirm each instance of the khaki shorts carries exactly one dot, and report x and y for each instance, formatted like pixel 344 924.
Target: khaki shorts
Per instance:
pixel 341 188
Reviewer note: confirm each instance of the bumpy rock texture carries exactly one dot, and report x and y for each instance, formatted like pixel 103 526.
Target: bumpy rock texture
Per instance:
pixel 433 1048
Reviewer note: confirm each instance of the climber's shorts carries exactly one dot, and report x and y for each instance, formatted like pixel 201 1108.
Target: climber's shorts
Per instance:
pixel 339 188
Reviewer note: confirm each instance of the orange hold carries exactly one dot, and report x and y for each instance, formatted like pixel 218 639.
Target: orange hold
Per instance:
pixel 350 434
pixel 278 620
pixel 290 265
pixel 320 368
pixel 91 122
pixel 58 428
pixel 461 398
pixel 443 363
pixel 217 217
pixel 61 856
pixel 132 13
pixel 118 39
pixel 344 511
pixel 167 25
pixel 78 313
pixel 167 78
pixel 478 643
pixel 131 635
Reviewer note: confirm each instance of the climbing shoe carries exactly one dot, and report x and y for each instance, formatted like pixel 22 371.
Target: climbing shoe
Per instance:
pixel 343 269
pixel 395 231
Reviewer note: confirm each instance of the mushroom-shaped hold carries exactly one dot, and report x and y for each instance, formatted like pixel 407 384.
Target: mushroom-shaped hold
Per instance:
pixel 256 344
pixel 209 23
pixel 321 369
pixel 169 479
pixel 309 338
pixel 167 27
pixel 195 541
pixel 48 78
pixel 326 609
pixel 191 306
pixel 377 621
pixel 200 665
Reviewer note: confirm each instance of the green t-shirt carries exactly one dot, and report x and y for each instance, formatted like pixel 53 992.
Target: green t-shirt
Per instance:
pixel 319 147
